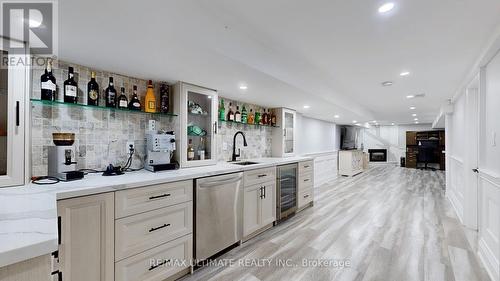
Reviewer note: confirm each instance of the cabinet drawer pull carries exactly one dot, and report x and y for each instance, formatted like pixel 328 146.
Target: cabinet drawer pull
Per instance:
pixel 158 264
pixel 159 196
pixel 305 196
pixel 262 175
pixel 306 166
pixel 17 114
pixel 159 227
pixel 306 179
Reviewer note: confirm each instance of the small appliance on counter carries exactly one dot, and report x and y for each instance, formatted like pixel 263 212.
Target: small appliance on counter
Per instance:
pixel 61 158
pixel 160 147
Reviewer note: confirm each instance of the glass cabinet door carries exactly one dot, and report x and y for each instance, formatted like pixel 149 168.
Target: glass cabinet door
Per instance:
pixel 12 145
pixel 199 126
pixel 289 134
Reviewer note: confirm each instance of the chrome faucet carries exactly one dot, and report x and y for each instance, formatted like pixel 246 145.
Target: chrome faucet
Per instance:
pixel 233 158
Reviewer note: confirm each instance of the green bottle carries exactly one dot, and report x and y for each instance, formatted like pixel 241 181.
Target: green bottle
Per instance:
pixel 222 111
pixel 257 117
pixel 244 116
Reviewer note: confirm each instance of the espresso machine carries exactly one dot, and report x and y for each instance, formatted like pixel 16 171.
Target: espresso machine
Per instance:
pixel 61 158
pixel 160 147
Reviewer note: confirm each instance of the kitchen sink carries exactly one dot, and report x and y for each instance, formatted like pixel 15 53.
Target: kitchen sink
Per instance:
pixel 244 163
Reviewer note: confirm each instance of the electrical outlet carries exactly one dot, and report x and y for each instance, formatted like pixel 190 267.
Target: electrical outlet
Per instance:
pixel 130 143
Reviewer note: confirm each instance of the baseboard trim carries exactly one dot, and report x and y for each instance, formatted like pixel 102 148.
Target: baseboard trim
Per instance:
pixel 450 195
pixel 489 260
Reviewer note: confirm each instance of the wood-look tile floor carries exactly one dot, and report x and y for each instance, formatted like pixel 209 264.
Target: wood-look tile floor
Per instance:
pixel 390 223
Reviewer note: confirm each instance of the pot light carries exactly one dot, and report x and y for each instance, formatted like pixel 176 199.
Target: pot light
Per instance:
pixel 393 124
pixel 243 87
pixel 410 96
pixel 416 122
pixel 387 83
pixel 336 116
pixel 386 8
pixel 404 73
pixel 354 121
pixel 306 106
pixel 414 115
pixel 413 107
pixel 415 119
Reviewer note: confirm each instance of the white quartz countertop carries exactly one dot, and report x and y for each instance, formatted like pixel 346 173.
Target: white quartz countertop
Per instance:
pixel 28 214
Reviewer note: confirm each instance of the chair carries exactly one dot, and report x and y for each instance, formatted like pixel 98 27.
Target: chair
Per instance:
pixel 425 155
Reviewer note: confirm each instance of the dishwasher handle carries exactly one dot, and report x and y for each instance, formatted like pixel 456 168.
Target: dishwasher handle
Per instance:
pixel 206 183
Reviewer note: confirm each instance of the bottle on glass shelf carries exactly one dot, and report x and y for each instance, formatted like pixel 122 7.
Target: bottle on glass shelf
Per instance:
pixel 230 113
pixel 92 91
pixel 122 99
pixel 135 103
pixel 190 150
pixel 251 117
pixel 110 94
pixel 244 115
pixel 222 111
pixel 70 88
pixel 150 101
pixel 48 83
pixel 257 118
pixel 201 149
pixel 268 117
pixel 164 98
pixel 273 119
pixel 237 115
pixel 264 118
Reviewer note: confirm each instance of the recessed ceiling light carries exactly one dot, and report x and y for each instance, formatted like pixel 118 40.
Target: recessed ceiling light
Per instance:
pixel 306 106
pixel 243 87
pixel 354 121
pixel 416 119
pixel 404 73
pixel 410 96
pixel 413 107
pixel 414 114
pixel 386 8
pixel 336 116
pixel 387 83
pixel 393 124
pixel 416 122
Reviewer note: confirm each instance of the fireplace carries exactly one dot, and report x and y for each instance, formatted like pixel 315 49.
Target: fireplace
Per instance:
pixel 378 155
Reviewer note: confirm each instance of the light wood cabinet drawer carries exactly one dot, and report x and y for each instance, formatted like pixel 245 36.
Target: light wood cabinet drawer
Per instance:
pixel 143 199
pixel 141 232
pixel 305 197
pixel 158 263
pixel 306 167
pixel 259 176
pixel 305 182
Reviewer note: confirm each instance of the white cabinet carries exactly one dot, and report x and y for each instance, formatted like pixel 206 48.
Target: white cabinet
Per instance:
pixel 14 150
pixel 197 110
pixel 305 192
pixel 86 248
pixel 259 203
pixel 350 162
pixel 284 142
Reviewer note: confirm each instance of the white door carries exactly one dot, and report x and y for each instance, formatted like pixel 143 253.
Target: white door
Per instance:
pixel 471 154
pixel 13 84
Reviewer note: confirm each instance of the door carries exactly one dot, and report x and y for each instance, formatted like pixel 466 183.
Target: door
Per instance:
pixel 289 140
pixel 198 125
pixel 471 154
pixel 251 209
pixel 267 202
pixel 86 238
pixel 13 84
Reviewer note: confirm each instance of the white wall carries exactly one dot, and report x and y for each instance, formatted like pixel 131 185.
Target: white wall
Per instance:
pixel 392 138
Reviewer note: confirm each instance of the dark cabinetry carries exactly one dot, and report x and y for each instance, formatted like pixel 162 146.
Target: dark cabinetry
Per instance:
pixel 432 143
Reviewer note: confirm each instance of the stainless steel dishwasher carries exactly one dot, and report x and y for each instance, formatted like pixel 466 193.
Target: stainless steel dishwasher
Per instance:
pixel 218 214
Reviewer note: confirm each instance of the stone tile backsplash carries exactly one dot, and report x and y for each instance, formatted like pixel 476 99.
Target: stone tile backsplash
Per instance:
pixel 102 135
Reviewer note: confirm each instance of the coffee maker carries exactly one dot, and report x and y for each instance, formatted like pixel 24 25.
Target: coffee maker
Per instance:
pixel 61 158
pixel 160 147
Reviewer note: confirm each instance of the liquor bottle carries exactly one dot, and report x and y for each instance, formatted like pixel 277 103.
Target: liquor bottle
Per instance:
pixel 48 83
pixel 201 149
pixel 135 103
pixel 222 110
pixel 110 94
pixel 263 118
pixel 230 114
pixel 257 117
pixel 251 117
pixel 190 151
pixel 244 116
pixel 164 98
pixel 122 100
pixel 273 119
pixel 150 101
pixel 92 91
pixel 237 115
pixel 70 88
pixel 268 117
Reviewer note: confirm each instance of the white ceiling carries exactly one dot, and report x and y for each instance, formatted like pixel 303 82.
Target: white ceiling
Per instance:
pixel 329 54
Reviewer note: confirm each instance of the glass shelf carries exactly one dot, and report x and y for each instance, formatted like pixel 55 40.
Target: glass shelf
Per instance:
pixel 246 124
pixel 59 103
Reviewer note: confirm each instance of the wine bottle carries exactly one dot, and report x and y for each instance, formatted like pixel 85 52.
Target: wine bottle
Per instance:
pixel 264 117
pixel 164 98
pixel 244 115
pixel 135 103
pixel 251 117
pixel 222 110
pixel 70 88
pixel 230 113
pixel 190 151
pixel 201 149
pixel 257 117
pixel 122 99
pixel 92 91
pixel 273 119
pixel 48 83
pixel 150 101
pixel 110 94
pixel 237 115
